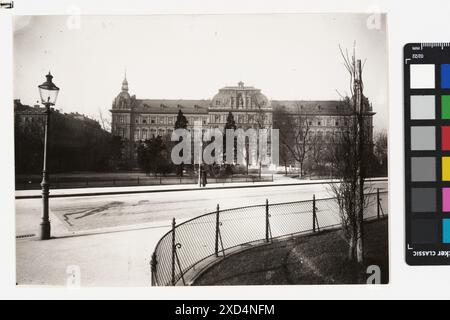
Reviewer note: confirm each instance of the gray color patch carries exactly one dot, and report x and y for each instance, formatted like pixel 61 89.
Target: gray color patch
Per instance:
pixel 422 107
pixel 423 138
pixel 423 200
pixel 423 169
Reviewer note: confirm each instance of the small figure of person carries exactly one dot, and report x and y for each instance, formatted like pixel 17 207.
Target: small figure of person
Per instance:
pixel 204 179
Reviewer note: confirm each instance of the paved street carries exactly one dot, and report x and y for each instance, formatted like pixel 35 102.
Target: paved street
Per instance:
pixel 87 213
pixel 112 237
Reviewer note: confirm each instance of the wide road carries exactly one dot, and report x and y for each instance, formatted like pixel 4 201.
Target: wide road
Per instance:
pixel 93 212
pixel 115 257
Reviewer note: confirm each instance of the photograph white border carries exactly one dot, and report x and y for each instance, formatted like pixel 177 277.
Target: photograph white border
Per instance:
pixel 404 25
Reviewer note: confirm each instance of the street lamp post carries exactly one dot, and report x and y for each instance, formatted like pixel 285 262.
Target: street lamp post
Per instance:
pixel 48 92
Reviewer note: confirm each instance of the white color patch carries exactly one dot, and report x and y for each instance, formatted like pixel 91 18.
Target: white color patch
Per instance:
pixel 422 76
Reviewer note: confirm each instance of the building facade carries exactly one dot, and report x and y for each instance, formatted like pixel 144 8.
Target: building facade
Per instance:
pixel 136 120
pixel 26 116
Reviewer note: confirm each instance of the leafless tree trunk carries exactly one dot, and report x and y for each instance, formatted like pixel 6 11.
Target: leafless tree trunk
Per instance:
pixel 261 117
pixel 361 167
pixel 348 158
pixel 106 124
pixel 381 152
pixel 295 135
pixel 318 151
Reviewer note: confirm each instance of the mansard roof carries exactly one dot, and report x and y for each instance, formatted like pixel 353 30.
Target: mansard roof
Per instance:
pixel 222 102
pixel 172 106
pixel 317 107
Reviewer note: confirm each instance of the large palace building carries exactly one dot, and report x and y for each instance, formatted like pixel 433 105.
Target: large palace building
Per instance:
pixel 139 119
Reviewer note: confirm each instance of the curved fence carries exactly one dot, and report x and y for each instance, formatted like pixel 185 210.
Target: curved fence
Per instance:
pixel 212 234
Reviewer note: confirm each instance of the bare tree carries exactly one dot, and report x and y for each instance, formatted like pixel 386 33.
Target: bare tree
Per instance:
pixel 381 151
pixel 295 134
pixel 345 159
pixel 284 156
pixel 348 158
pixel 260 120
pixel 280 122
pixel 317 151
pixel 105 123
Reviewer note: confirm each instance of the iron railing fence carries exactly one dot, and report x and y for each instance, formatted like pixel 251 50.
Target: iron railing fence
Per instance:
pixel 212 234
pixel 80 182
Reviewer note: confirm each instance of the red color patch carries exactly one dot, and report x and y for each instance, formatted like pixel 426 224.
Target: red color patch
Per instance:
pixel 445 138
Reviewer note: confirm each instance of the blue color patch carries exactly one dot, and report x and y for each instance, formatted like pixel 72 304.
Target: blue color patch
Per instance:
pixel 445 76
pixel 446 231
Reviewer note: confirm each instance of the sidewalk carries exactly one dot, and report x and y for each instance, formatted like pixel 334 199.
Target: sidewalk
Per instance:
pixel 279 180
pixel 108 259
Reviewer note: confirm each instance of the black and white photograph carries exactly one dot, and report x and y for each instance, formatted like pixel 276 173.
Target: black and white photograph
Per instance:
pixel 201 149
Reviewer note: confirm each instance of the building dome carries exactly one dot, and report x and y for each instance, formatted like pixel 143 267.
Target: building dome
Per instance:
pixel 123 99
pixel 240 97
pixel 220 99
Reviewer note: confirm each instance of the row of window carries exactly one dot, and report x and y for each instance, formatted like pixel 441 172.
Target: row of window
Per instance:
pixel 241 118
pixel 323 135
pixel 216 118
pixel 28 119
pixel 239 102
pixel 120 119
pixel 324 122
pixel 144 134
pixel 193 120
pixel 168 120
pixel 147 119
pixel 321 121
pixel 221 118
pixel 155 119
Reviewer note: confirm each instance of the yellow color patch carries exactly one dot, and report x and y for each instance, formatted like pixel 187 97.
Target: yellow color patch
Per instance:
pixel 445 168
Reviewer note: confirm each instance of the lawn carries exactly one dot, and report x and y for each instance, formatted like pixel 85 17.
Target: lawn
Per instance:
pixel 314 259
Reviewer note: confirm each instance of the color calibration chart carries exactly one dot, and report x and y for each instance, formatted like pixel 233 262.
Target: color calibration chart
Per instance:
pixel 427 153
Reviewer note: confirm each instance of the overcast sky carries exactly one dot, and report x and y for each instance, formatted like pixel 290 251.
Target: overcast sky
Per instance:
pixel 192 56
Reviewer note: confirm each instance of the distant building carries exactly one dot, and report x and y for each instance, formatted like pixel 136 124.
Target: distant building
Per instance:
pixel 135 120
pixel 26 115
pixel 76 142
pixel 324 117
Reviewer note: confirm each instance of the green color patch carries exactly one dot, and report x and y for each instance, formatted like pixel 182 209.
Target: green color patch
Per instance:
pixel 445 107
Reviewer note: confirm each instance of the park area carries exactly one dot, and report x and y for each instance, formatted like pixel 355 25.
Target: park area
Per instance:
pixel 123 179
pixel 312 259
